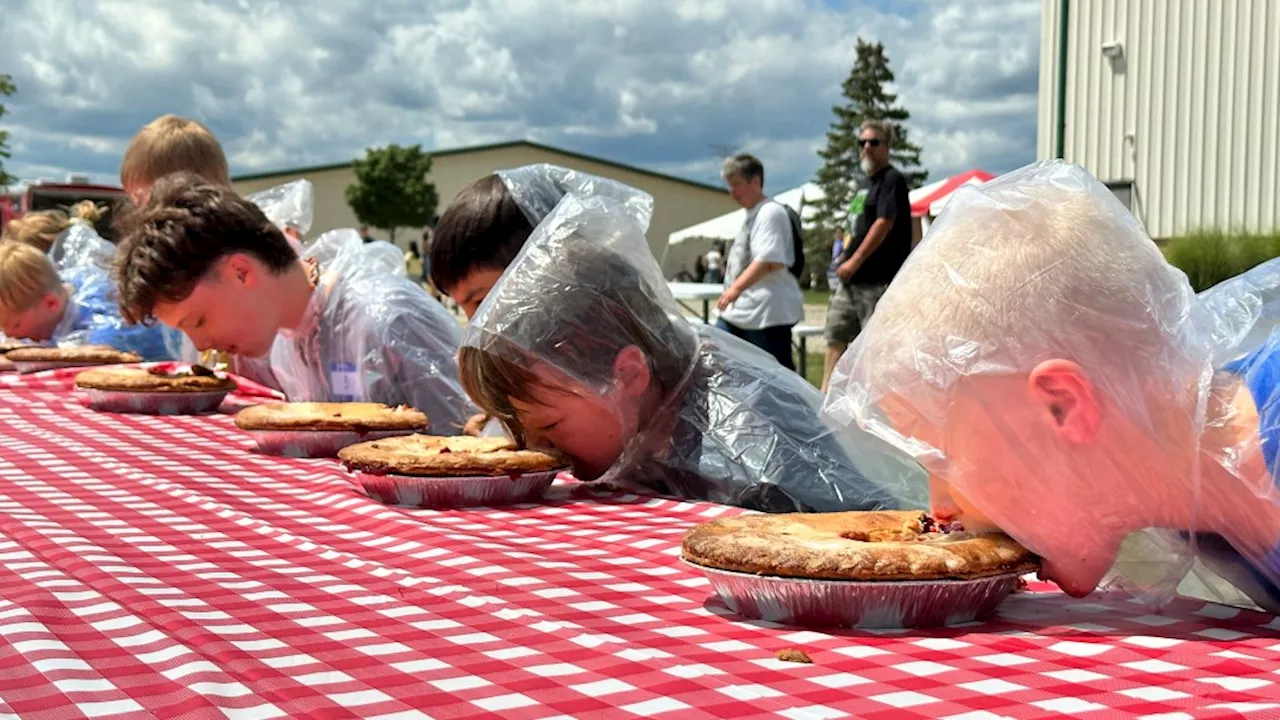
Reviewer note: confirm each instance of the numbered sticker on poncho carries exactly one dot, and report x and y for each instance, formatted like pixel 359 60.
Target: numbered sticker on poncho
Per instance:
pixel 344 382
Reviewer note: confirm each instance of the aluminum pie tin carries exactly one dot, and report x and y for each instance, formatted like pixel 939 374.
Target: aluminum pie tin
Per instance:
pixel 33 367
pixel 453 492
pixel 315 443
pixel 804 602
pixel 154 403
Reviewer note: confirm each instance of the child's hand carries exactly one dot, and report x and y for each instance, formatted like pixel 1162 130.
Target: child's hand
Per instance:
pixel 475 425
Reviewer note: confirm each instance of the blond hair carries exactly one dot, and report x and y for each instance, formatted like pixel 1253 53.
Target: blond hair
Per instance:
pixel 171 144
pixel 40 228
pixel 1041 264
pixel 26 276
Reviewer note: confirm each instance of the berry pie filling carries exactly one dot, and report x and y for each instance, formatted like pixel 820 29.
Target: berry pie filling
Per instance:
pixel 193 371
pixel 930 525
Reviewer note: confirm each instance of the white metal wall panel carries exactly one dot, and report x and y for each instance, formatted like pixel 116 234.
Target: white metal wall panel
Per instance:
pixel 1191 118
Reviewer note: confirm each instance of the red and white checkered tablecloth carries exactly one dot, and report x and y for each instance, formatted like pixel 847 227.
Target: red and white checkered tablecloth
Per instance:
pixel 156 567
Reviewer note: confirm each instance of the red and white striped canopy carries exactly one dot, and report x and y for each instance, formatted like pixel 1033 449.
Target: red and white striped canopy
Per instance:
pixel 929 199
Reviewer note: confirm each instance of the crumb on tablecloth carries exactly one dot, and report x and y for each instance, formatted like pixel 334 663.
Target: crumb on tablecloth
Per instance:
pixel 793 655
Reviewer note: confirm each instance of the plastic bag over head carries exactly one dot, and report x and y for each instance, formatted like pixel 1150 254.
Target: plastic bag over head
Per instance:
pixel 371 334
pixel 581 347
pixel 1060 380
pixel 287 206
pixel 80 245
pixel 537 189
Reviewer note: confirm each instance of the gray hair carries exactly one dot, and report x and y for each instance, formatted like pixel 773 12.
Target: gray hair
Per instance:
pixel 745 166
pixel 885 129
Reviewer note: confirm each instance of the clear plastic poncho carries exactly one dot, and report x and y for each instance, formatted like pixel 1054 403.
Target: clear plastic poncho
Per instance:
pixel 92 317
pixel 722 420
pixel 82 258
pixel 80 245
pixel 288 207
pixel 372 335
pixel 1060 380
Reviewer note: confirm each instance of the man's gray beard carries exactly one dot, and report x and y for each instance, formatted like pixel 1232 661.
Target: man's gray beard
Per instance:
pixel 867 166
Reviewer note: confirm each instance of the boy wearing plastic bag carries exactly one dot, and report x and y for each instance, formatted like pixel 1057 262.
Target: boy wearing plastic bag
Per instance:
pixel 1058 379
pixel 171 144
pixel 337 324
pixel 74 307
pixel 580 347
pixel 483 229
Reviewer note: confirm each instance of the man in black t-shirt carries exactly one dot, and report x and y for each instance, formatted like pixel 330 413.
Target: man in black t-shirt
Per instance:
pixel 880 220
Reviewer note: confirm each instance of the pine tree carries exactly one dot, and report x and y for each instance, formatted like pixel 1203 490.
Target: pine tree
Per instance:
pixel 7 88
pixel 865 99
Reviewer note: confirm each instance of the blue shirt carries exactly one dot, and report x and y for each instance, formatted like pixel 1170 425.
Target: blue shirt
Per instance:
pixel 92 317
pixel 1257 578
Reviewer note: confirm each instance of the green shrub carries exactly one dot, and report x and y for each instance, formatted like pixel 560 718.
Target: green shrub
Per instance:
pixel 1210 256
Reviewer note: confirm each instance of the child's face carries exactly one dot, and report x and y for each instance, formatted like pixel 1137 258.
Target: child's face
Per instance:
pixel 232 308
pixel 473 288
pixel 1063 474
pixel 591 428
pixel 576 422
pixel 36 322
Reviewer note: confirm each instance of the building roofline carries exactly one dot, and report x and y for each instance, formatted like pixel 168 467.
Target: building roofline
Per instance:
pixel 493 146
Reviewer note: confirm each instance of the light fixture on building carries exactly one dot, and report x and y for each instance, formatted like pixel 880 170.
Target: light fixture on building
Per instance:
pixel 1113 51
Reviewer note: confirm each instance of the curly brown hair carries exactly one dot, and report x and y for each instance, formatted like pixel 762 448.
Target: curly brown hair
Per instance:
pixel 188 224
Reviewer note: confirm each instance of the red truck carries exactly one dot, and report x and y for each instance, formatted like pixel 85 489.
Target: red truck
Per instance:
pixel 47 196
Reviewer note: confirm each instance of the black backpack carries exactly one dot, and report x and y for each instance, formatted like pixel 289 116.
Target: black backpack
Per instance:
pixel 797 240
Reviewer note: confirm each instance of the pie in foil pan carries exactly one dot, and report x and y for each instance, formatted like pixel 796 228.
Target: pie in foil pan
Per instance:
pixel 880 569
pixel 442 472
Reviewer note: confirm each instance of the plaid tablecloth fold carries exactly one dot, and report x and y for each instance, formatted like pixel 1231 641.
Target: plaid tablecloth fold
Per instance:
pixel 156 566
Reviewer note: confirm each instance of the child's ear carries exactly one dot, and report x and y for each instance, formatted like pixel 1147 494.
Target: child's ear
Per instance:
pixel 51 302
pixel 631 371
pixel 239 270
pixel 1068 400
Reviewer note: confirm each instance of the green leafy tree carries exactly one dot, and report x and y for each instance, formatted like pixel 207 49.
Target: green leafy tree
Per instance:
pixel 7 88
pixel 864 99
pixel 391 188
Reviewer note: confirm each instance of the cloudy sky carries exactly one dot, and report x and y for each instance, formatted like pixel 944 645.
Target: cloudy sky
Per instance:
pixel 664 84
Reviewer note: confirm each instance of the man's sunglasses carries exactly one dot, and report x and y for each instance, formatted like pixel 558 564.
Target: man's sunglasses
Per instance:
pixel 864 142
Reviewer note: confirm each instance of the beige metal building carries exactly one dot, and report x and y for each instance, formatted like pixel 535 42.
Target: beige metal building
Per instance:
pixel 678 203
pixel 1174 103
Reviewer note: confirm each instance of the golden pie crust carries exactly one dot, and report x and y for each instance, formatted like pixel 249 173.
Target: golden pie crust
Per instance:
pixel 350 416
pixel 866 546
pixel 434 456
pixel 98 354
pixel 7 345
pixel 141 380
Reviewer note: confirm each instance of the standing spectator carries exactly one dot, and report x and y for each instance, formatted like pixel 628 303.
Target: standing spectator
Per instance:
pixel 837 250
pixel 413 262
pixel 880 214
pixel 762 299
pixel 715 262
pixel 428 239
pixel 365 236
